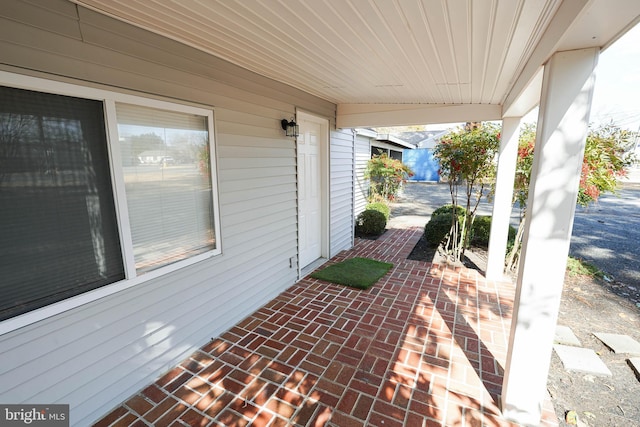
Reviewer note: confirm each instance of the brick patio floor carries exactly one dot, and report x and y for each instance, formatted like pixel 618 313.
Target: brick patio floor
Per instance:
pixel 425 346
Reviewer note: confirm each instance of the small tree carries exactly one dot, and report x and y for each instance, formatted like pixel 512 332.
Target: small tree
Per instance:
pixel 385 175
pixel 466 157
pixel 524 163
pixel 605 161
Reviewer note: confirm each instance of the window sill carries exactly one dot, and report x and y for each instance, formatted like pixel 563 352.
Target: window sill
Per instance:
pixel 26 319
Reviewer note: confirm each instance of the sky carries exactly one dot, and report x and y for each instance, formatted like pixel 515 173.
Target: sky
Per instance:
pixel 616 95
pixel 617 91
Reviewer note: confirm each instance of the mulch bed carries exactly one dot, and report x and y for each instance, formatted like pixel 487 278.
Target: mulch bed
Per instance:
pixel 475 256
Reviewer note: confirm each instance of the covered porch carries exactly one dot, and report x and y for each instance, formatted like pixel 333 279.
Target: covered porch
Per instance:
pixel 446 347
pixel 425 346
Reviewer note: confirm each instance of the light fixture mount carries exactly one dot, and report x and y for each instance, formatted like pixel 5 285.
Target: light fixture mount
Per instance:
pixel 290 127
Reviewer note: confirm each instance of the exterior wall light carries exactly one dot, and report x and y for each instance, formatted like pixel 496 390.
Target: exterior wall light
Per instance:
pixel 290 127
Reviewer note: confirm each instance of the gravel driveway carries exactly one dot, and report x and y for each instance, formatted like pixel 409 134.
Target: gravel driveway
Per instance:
pixel 606 234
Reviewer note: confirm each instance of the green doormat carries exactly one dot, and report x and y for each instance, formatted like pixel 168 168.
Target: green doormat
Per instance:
pixel 359 273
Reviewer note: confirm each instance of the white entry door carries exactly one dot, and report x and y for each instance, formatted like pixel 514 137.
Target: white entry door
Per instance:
pixel 313 133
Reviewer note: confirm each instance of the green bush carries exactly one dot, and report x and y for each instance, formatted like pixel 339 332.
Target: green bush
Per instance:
pixel 511 240
pixel 371 223
pixel 447 209
pixel 437 229
pixel 439 226
pixel 482 228
pixel 380 207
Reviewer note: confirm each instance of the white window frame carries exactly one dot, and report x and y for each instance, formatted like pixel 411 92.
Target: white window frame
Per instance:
pixel 109 100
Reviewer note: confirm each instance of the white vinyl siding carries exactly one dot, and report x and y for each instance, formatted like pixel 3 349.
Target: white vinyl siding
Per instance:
pixel 361 185
pixel 341 190
pixel 96 355
pixel 126 226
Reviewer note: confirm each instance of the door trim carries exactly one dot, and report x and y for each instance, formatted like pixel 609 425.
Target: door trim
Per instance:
pixel 324 185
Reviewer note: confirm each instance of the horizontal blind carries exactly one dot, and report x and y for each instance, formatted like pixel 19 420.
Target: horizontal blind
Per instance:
pixel 58 230
pixel 167 183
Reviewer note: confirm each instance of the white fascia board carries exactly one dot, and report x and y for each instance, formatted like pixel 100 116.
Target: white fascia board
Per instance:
pixel 378 115
pixel 368 133
pixel 394 140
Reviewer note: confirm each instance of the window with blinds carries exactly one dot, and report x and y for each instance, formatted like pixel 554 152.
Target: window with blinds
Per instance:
pixel 81 208
pixel 168 184
pixel 58 229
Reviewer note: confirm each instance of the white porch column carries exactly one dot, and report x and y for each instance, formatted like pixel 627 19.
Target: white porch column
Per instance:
pixel 502 198
pixel 565 105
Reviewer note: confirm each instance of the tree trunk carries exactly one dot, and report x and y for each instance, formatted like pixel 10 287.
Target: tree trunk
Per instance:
pixel 514 254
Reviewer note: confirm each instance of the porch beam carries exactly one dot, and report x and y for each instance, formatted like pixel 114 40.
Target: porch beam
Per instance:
pixel 563 122
pixel 377 115
pixel 562 22
pixel 502 205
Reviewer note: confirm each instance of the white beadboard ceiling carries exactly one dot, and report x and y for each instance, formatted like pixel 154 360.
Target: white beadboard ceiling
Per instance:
pixel 436 52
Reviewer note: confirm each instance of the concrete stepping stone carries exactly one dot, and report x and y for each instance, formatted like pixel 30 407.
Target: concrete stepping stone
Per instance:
pixel 619 343
pixel 581 360
pixel 635 365
pixel 564 335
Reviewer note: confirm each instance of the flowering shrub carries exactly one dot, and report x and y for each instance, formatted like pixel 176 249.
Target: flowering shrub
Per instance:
pixel 466 154
pixel 466 157
pixel 605 162
pixel 524 162
pixel 386 175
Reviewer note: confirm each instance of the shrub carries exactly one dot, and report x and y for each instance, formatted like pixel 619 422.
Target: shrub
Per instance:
pixel 466 158
pixel 437 229
pixel 482 228
pixel 447 209
pixel 376 198
pixel 386 175
pixel 604 163
pixel 380 207
pixel 371 223
pixel 512 235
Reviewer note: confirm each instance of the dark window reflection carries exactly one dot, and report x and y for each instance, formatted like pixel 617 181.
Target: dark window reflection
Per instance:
pixel 58 230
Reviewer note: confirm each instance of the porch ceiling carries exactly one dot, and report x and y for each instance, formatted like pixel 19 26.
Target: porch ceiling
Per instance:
pixel 411 57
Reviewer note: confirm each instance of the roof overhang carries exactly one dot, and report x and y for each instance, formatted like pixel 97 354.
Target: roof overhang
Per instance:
pixel 390 62
pixel 387 138
pixel 390 139
pixel 354 115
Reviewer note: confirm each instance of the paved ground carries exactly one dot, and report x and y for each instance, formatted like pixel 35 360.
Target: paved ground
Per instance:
pixel 606 234
pixel 425 346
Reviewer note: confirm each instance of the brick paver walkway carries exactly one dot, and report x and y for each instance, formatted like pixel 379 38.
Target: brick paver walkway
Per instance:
pixel 425 346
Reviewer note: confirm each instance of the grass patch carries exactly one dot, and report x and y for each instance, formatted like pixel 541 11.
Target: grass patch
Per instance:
pixel 579 267
pixel 359 273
